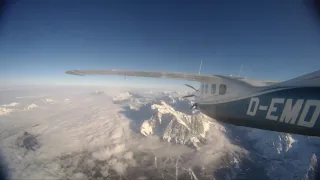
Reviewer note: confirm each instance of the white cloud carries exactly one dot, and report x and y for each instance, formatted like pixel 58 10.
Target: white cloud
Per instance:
pixel 13 104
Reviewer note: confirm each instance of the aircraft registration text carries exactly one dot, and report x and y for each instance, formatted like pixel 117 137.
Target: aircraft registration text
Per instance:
pixel 294 111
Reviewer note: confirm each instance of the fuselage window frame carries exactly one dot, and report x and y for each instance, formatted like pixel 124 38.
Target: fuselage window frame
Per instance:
pixel 213 88
pixel 202 88
pixel 206 88
pixel 222 89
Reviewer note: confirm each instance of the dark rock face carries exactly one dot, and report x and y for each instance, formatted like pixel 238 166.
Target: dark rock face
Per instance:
pixel 28 142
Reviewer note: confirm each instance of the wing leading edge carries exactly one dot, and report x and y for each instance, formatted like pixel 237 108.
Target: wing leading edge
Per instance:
pixel 153 74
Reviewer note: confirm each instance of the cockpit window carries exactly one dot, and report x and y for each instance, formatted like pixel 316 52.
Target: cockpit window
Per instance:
pixel 222 89
pixel 213 88
pixel 206 89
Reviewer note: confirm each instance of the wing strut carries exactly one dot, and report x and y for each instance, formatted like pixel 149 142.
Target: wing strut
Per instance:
pixel 200 67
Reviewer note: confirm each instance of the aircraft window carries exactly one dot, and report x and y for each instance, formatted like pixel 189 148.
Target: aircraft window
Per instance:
pixel 206 89
pixel 213 88
pixel 202 87
pixel 222 89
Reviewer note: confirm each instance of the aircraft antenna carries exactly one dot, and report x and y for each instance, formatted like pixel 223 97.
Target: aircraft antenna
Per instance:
pixel 240 70
pixel 200 67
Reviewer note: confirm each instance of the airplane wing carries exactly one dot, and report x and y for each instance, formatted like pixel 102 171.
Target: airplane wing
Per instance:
pixel 153 74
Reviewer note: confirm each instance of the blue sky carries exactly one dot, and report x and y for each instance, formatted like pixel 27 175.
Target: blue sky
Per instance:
pixel 39 40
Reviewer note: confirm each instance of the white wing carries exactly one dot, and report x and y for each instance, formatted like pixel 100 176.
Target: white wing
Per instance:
pixel 154 74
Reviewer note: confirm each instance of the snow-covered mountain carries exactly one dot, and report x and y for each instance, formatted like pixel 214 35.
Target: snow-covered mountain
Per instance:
pixel 279 153
pixel 98 93
pixel 175 126
pixel 5 111
pixel 167 116
pixel 48 100
pixel 313 172
pixel 31 106
pixel 122 97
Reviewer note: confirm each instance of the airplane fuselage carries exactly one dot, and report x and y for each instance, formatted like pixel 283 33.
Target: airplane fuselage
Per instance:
pixel 288 109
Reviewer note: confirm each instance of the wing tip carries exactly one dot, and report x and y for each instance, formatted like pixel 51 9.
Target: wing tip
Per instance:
pixel 74 72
